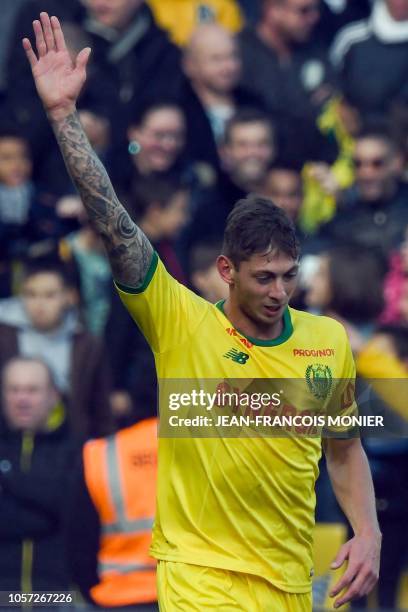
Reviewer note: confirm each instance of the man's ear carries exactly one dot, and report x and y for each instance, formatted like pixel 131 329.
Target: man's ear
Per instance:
pixel 226 269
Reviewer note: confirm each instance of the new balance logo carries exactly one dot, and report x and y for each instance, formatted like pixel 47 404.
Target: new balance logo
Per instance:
pixel 237 356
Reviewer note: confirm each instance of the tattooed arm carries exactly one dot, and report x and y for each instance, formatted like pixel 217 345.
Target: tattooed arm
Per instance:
pixel 59 83
pixel 130 252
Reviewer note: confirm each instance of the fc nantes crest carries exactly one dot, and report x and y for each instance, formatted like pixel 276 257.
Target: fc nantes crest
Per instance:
pixel 319 380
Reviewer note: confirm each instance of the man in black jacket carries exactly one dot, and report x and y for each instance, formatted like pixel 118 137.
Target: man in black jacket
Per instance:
pixel 285 66
pixel 210 94
pixel 36 455
pixel 373 212
pixel 371 57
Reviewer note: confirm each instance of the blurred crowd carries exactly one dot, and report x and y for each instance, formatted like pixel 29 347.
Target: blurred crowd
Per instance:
pixel 191 105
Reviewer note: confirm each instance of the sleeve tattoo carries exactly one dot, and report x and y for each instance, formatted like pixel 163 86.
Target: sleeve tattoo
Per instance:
pixel 129 251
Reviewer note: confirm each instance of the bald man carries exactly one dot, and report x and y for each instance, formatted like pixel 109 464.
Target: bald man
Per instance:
pixel 212 64
pixel 210 95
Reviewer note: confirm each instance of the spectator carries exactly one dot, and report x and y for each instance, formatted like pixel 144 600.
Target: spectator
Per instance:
pixel 40 322
pixel 246 153
pixel 132 61
pixel 22 103
pixel 376 203
pixel 36 455
pixel 182 19
pixel 135 56
pixel 348 287
pixel 210 95
pixel 284 187
pixel 160 208
pixel 111 516
pixel 290 73
pixel 85 249
pixel 371 59
pixel 205 277
pixel 155 145
pixel 23 217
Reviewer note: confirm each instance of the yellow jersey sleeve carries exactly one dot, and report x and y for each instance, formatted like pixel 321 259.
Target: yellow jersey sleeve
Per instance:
pixel 342 402
pixel 166 311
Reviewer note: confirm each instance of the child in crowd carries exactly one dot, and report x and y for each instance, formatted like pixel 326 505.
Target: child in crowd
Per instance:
pixel 42 322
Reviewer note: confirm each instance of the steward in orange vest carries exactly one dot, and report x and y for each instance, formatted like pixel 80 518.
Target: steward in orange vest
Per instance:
pixel 110 523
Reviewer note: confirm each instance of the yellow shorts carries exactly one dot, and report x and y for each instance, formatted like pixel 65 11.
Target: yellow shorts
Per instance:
pixel 183 587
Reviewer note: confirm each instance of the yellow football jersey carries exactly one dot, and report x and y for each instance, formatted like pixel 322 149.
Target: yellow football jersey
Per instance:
pixel 240 504
pixel 181 17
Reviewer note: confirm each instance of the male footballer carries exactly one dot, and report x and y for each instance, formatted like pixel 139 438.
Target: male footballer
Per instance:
pixel 234 516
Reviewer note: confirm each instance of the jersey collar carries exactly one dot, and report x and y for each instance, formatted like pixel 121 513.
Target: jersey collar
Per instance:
pixel 287 330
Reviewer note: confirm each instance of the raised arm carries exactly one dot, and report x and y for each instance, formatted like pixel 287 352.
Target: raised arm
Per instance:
pixel 59 81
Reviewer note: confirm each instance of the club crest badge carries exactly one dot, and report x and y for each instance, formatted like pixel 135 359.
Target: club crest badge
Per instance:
pixel 319 380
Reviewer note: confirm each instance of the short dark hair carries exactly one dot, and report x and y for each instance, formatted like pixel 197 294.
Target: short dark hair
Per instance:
pixel 148 189
pixel 142 111
pixel 398 335
pixel 256 225
pixel 204 255
pixel 10 131
pixel 247 115
pixel 356 282
pixel 47 265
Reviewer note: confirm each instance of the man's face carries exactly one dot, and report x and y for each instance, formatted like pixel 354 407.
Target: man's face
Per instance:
pixel 161 137
pixel 296 19
pixel 248 153
pixel 113 13
pixel 263 286
pixel 213 62
pixel 45 300
pixel 284 187
pixel 398 9
pixel 15 163
pixel 28 396
pixel 375 168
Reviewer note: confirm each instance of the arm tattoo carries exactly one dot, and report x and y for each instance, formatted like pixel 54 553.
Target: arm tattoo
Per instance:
pixel 129 251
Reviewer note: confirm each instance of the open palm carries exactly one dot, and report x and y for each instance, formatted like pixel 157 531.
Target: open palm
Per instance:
pixel 57 78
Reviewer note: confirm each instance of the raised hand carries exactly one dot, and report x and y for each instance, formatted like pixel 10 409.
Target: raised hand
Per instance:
pixel 58 80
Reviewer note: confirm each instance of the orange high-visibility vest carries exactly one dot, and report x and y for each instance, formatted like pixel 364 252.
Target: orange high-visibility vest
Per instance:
pixel 120 473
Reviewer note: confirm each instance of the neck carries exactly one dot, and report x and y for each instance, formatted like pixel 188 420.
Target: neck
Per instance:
pixel 209 97
pixel 247 326
pixel 272 38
